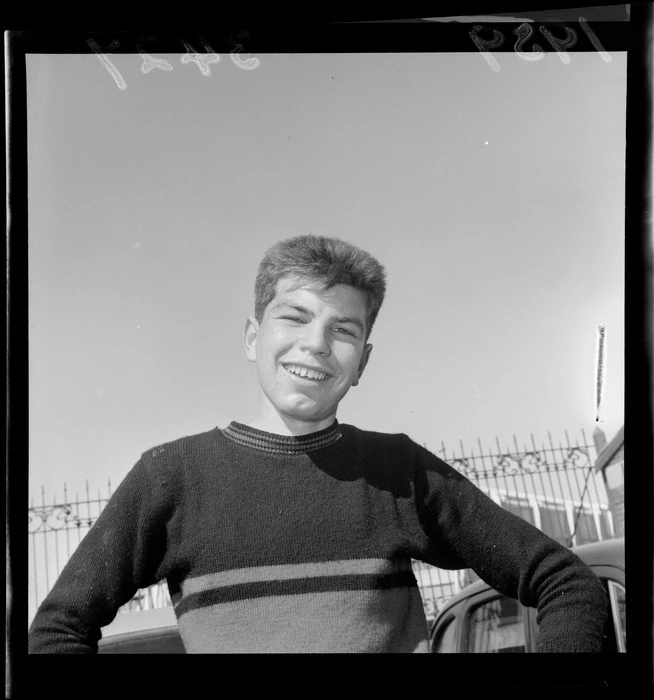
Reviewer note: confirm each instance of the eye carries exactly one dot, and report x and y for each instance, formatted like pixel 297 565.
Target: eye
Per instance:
pixel 294 319
pixel 344 330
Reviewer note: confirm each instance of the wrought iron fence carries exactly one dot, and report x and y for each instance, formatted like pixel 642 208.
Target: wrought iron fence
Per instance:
pixel 55 529
pixel 554 487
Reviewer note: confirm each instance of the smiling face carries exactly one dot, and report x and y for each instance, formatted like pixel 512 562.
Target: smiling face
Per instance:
pixel 309 348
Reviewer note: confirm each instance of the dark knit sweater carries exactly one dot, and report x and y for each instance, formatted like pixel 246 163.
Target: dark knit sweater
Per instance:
pixel 275 543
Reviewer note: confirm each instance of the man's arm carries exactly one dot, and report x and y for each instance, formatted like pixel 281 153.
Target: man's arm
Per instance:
pixel 120 554
pixel 512 556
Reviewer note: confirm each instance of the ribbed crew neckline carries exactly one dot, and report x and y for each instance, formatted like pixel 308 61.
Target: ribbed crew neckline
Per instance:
pixel 282 444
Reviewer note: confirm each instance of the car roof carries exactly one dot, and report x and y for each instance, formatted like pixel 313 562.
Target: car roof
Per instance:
pixel 606 552
pixel 140 620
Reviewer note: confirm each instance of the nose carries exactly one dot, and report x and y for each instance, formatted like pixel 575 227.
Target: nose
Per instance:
pixel 315 339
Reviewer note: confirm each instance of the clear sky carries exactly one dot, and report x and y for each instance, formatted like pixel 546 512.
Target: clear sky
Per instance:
pixel 494 199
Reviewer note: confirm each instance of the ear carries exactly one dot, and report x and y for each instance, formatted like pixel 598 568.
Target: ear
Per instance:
pixel 365 356
pixel 250 338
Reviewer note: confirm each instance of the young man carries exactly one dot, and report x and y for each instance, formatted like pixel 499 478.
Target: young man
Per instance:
pixel 294 533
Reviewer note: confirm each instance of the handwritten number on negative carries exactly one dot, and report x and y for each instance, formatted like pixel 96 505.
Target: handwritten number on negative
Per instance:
pixel 485 46
pixel 113 71
pixel 150 62
pixel 525 31
pixel 561 44
pixel 202 60
pixel 239 60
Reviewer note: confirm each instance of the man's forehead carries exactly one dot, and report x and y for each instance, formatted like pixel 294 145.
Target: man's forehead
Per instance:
pixel 290 286
pixel 293 288
pixel 294 283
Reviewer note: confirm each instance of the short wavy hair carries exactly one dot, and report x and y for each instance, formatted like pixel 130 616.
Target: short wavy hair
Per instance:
pixel 325 260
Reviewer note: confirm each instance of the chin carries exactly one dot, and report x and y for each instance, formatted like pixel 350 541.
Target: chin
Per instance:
pixel 305 416
pixel 306 413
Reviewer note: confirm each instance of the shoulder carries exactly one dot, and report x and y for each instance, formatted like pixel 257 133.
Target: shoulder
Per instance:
pixel 374 437
pixel 390 448
pixel 401 448
pixel 181 446
pixel 169 459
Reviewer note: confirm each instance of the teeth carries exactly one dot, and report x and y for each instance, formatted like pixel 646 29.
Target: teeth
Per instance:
pixel 304 372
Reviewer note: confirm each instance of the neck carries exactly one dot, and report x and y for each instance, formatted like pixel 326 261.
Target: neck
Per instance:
pixel 270 421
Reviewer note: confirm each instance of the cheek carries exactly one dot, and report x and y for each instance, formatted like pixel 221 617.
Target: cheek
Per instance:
pixel 352 362
pixel 273 344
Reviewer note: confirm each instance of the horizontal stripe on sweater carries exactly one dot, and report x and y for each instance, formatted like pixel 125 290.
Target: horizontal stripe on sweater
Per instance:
pixel 282 444
pixel 295 586
pixel 377 566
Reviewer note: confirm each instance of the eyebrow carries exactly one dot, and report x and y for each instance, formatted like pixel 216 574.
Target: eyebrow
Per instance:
pixel 302 309
pixel 285 305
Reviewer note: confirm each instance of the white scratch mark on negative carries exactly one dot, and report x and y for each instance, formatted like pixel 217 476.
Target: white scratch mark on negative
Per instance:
pixel 601 368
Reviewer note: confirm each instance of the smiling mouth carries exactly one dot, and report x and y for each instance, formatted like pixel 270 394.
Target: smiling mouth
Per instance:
pixel 305 373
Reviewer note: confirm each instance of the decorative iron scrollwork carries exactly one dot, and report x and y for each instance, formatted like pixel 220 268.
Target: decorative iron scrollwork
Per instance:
pixel 54 518
pixel 461 464
pixel 532 462
pixel 509 464
pixel 576 458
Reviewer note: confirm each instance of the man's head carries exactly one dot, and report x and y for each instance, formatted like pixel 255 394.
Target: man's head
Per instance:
pixel 323 262
pixel 316 300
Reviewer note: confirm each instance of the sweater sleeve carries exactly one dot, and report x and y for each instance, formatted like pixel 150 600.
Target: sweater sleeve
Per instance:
pixel 471 531
pixel 121 553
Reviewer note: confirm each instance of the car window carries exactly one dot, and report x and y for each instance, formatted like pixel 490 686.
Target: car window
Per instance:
pixel 618 614
pixel 496 627
pixel 444 637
